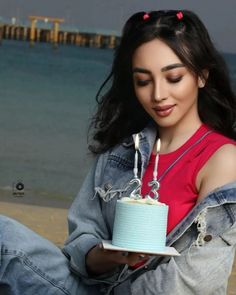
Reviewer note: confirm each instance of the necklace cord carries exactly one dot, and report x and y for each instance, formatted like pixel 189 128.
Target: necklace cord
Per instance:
pixel 184 153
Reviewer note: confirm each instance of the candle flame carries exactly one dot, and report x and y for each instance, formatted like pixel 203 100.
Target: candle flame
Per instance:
pixel 136 142
pixel 158 145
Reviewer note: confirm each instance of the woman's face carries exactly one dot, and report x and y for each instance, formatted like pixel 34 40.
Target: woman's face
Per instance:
pixel 166 89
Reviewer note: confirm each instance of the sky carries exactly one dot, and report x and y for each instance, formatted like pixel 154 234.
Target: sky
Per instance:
pixel 218 16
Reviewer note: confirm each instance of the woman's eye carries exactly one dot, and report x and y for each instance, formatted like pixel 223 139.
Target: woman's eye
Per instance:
pixel 142 82
pixel 174 80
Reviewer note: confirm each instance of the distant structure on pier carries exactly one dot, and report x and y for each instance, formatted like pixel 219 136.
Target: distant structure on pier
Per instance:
pixel 53 30
pixel 54 33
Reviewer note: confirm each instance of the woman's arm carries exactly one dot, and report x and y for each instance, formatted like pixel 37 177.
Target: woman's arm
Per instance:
pixel 220 169
pixel 87 228
pixel 85 219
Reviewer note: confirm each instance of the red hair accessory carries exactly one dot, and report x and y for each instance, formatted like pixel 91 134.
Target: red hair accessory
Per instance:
pixel 180 15
pixel 146 16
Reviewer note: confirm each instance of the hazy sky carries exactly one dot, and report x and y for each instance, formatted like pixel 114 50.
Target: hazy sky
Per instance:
pixel 219 16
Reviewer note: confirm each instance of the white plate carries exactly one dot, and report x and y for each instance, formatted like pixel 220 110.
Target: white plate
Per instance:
pixel 169 251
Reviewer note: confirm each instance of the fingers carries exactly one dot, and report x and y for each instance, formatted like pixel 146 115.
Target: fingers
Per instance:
pixel 135 258
pixel 116 257
pixel 130 258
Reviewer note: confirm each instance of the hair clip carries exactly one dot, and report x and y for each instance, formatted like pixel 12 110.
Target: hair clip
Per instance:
pixel 146 16
pixel 180 15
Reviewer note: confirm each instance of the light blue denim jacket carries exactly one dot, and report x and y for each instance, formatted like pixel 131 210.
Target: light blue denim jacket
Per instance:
pixel 205 238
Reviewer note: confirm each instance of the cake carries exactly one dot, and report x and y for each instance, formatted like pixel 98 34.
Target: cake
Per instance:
pixel 140 225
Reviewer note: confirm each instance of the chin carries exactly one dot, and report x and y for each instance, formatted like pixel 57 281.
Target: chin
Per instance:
pixel 165 123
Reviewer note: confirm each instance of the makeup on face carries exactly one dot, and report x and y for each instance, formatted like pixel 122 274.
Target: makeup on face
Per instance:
pixel 164 86
pixel 142 76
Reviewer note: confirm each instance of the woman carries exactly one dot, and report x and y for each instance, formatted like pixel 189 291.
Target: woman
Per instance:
pixel 168 82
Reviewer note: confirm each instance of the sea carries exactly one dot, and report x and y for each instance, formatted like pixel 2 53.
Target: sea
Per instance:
pixel 47 101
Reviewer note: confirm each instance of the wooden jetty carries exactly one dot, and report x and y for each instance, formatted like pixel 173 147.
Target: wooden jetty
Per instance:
pixel 52 32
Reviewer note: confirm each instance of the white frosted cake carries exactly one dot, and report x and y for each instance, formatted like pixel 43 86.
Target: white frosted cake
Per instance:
pixel 140 225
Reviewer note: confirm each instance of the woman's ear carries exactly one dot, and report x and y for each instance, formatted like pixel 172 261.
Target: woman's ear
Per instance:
pixel 202 80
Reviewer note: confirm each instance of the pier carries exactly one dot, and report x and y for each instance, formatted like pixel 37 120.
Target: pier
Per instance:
pixel 52 30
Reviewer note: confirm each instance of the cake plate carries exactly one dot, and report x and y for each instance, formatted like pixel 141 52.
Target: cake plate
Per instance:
pixel 169 251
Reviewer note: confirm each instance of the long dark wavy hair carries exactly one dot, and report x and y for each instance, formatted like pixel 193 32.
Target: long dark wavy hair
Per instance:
pixel 119 113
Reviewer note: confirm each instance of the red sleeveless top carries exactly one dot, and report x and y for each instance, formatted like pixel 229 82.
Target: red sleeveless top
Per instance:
pixel 177 183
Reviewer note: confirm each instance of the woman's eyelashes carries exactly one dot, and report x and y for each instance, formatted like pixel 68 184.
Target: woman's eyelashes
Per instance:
pixel 145 82
pixel 142 83
pixel 174 79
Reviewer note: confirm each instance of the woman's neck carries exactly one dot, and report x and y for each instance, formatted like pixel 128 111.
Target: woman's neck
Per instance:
pixel 173 138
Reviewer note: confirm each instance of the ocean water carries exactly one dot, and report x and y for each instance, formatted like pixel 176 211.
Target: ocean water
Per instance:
pixel 47 99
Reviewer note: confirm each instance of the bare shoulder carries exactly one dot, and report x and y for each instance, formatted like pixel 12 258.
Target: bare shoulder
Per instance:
pixel 226 155
pixel 220 169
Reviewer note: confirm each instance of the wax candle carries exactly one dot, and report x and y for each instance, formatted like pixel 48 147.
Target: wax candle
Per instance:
pixel 136 144
pixel 158 148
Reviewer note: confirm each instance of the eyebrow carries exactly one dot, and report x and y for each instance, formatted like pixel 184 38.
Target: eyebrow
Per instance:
pixel 164 69
pixel 172 66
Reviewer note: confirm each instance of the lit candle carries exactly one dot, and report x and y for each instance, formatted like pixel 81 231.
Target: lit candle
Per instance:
pixel 158 148
pixel 158 145
pixel 136 141
pixel 136 144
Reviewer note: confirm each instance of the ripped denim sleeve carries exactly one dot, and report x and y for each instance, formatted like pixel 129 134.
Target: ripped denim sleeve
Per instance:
pixel 201 227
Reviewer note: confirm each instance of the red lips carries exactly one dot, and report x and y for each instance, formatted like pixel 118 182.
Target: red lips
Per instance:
pixel 164 111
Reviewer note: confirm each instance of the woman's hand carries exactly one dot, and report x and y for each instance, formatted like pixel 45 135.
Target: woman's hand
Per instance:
pixel 99 260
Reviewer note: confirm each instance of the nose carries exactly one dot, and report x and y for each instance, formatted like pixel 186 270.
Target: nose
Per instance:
pixel 160 91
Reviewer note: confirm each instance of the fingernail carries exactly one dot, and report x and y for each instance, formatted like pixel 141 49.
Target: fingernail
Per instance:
pixel 141 256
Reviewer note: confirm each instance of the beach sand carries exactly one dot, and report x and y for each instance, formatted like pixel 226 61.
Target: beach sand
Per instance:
pixel 51 222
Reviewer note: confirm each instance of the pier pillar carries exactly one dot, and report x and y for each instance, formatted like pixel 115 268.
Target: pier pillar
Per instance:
pixel 25 33
pixel 112 42
pixel 51 35
pixel 55 34
pixel 72 38
pixel 17 33
pixel 7 32
pixel 47 36
pixel 11 32
pixel 91 40
pixel 38 35
pixel 1 33
pixel 60 37
pixel 83 40
pixel 32 31
pixel 98 41
pixel 78 39
pixel 65 37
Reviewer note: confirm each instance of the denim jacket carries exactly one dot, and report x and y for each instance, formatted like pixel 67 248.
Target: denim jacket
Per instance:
pixel 205 238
